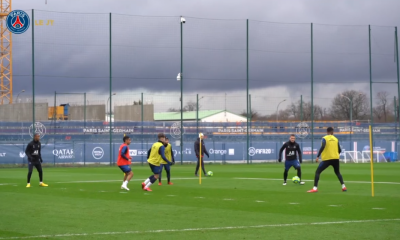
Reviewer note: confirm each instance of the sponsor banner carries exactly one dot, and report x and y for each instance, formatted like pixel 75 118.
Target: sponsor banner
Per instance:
pixel 307 150
pixel 62 153
pixel 262 151
pixel 99 152
pixel 219 151
pixel 10 153
pixel 379 146
pixel 225 151
pixel 107 130
pixel 359 129
pixel 239 130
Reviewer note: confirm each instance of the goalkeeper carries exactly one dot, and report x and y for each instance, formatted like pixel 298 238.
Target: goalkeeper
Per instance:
pixel 292 147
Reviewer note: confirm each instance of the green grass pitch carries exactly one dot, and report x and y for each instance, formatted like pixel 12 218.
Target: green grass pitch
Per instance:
pixel 238 202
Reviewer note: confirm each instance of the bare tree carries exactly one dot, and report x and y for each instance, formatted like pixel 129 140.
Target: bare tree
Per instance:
pixel 190 106
pixel 253 114
pixel 381 111
pixel 173 110
pixel 294 111
pixel 340 108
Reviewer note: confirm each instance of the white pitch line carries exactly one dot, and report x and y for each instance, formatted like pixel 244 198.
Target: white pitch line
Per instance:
pixel 378 208
pixel 277 179
pixel 200 229
pixel 170 195
pixel 334 205
pixel 228 199
pixel 133 180
pixel 259 201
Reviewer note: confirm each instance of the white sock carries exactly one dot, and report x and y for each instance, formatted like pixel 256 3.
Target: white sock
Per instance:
pixel 147 181
pixel 148 184
pixel 125 183
pixel 343 186
pixel 41 182
pixel 315 188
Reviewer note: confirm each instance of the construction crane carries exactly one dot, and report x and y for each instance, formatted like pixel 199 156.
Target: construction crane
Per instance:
pixel 6 75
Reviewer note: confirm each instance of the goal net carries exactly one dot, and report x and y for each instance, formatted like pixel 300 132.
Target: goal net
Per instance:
pixel 377 156
pixel 352 156
pixel 363 157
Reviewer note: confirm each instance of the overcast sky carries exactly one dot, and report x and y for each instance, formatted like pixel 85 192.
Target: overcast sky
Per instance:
pixel 73 54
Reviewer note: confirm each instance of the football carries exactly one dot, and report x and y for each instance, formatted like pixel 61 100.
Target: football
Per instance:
pixel 209 173
pixel 296 179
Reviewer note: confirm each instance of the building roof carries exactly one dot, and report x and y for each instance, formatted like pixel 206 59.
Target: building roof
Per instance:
pixel 191 115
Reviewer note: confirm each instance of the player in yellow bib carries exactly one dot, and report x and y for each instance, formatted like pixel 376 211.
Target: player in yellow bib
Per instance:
pixel 155 157
pixel 170 156
pixel 330 154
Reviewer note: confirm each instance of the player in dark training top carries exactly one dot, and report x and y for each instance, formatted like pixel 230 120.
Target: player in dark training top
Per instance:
pixel 33 152
pixel 292 152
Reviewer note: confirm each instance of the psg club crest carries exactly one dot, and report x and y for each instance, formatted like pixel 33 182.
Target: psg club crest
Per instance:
pixel 302 130
pixel 18 21
pixel 39 129
pixel 175 130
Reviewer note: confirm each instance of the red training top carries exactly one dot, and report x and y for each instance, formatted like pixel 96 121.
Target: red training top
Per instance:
pixel 123 151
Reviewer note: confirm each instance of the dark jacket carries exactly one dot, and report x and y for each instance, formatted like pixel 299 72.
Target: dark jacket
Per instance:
pixel 33 151
pixel 293 151
pixel 203 148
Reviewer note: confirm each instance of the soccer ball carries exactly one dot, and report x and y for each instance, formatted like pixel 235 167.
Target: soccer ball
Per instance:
pixel 296 179
pixel 209 173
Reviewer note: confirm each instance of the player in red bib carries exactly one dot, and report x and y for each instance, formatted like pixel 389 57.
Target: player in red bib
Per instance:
pixel 124 162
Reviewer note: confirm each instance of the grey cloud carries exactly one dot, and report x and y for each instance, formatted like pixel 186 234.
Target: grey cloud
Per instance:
pixel 74 55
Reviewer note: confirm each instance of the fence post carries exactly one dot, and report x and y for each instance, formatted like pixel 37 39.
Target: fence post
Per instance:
pixel 197 114
pixel 33 71
pixel 312 93
pixel 55 124
pixel 250 118
pixel 370 88
pixel 398 73
pixel 301 108
pixel 84 127
pixel 181 79
pixel 110 62
pixel 142 124
pixel 247 88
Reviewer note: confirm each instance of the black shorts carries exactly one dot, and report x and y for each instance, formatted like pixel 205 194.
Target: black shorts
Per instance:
pixel 325 164
pixel 155 169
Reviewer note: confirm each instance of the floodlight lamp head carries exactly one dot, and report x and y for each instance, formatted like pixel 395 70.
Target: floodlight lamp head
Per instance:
pixel 183 20
pixel 178 78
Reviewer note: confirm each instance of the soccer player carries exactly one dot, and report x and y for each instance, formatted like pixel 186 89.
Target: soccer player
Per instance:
pixel 124 160
pixel 155 156
pixel 329 152
pixel 292 147
pixel 33 152
pixel 203 151
pixel 170 156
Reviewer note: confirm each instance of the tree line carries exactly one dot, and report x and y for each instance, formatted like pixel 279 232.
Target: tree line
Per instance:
pixel 339 110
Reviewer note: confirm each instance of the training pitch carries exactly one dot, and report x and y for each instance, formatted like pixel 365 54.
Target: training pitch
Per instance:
pixel 238 202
